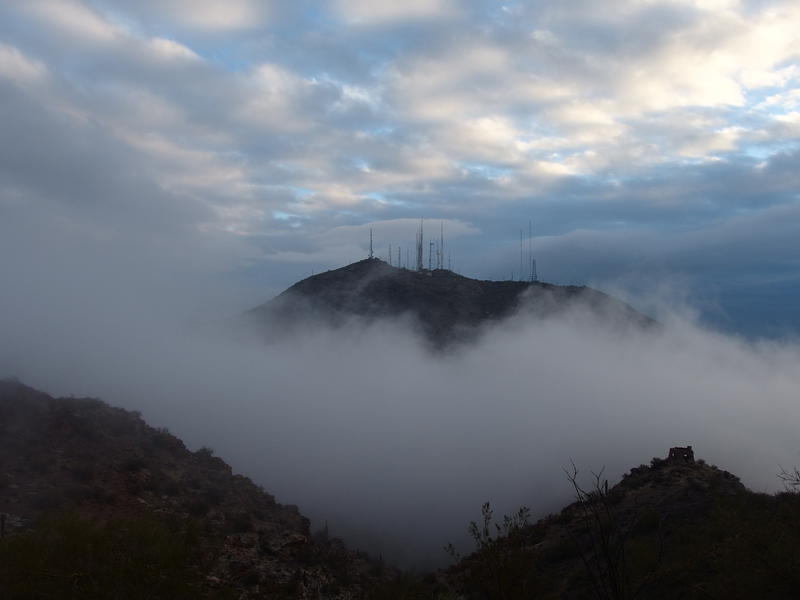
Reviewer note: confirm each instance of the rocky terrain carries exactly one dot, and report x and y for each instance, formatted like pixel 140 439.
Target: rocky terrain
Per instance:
pixel 448 307
pixel 92 499
pixel 82 480
pixel 673 529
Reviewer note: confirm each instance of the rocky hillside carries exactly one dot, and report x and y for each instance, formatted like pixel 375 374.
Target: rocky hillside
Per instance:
pixel 447 306
pixel 674 529
pixel 91 497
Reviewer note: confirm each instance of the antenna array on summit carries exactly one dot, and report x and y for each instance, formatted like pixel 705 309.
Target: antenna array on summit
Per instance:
pixel 436 254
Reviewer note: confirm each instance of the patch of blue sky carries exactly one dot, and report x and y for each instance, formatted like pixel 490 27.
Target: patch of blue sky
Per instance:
pixel 299 192
pixel 317 15
pixel 765 100
pixel 227 56
pixel 759 152
pixel 295 190
pixel 484 171
pixel 765 151
pixel 361 164
pixel 291 219
pixel 381 130
pixel 385 200
pixel 377 197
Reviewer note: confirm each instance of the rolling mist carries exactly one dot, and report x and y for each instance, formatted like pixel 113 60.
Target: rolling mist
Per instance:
pixel 395 447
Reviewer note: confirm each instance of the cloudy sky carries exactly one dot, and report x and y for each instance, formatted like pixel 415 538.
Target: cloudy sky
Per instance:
pixel 165 161
pixel 653 144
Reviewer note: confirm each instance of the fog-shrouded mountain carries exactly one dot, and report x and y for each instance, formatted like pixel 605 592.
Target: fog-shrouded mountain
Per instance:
pixel 446 306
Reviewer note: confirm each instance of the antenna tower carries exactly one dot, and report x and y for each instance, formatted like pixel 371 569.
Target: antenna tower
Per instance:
pixel 440 254
pixel 419 246
pixel 370 242
pixel 531 260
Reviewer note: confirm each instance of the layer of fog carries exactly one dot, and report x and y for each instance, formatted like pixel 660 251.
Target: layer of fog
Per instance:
pixel 396 448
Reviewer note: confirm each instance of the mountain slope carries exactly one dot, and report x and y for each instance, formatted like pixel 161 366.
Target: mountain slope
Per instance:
pixel 447 306
pixel 100 466
pixel 93 499
pixel 674 529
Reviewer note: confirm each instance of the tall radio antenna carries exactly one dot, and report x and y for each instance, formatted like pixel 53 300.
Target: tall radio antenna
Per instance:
pixel 419 246
pixel 440 255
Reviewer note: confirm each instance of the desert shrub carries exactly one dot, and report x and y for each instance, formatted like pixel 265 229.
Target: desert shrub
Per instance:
pixel 205 452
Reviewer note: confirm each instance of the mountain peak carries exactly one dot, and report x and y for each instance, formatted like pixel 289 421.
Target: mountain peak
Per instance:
pixel 447 306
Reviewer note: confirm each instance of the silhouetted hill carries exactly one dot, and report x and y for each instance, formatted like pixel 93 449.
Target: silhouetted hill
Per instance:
pixel 448 306
pixel 97 504
pixel 94 503
pixel 674 529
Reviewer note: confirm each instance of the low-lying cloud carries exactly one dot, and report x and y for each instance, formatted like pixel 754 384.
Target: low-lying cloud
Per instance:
pixel 397 448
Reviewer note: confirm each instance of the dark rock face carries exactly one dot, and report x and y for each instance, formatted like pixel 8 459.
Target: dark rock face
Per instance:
pixel 448 307
pixel 86 457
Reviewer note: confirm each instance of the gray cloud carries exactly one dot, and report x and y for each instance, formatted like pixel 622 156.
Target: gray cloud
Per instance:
pixel 446 110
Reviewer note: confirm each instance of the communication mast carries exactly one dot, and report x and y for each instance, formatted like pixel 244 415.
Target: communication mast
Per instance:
pixel 534 276
pixel 419 247
pixel 440 254
pixel 370 242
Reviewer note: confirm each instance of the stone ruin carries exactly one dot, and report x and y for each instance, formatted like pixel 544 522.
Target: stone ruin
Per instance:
pixel 681 455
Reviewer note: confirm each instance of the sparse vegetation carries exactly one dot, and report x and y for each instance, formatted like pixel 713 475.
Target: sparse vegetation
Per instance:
pixel 130 509
pixel 103 510
pixel 70 556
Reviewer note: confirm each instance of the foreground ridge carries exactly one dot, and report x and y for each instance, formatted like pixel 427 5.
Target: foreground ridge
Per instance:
pixel 677 528
pixel 94 499
pixel 156 519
